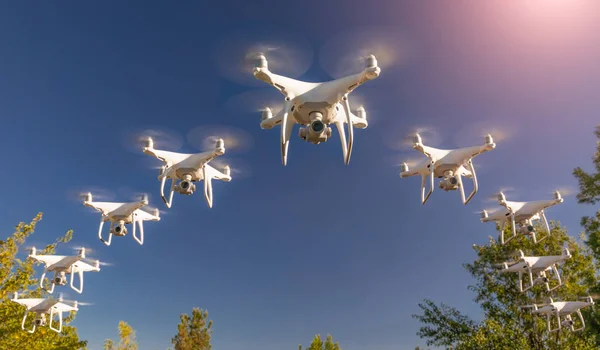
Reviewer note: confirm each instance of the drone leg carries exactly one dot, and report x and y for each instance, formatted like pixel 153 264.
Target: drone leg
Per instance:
pixel 513 224
pixel 23 323
pixel 287 123
pixel 557 274
pixel 502 227
pixel 424 197
pixel 140 240
pixel 350 128
pixel 100 231
pixel 543 215
pixel 475 185
pixel 340 127
pixel 42 281
pixel 582 322
pixel 208 192
pixel 80 273
pixel 530 279
pixel 521 282
pixel 162 191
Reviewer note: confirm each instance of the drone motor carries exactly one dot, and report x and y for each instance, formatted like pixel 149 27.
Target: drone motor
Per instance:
pixel 186 186
pixel 267 114
pixel 119 229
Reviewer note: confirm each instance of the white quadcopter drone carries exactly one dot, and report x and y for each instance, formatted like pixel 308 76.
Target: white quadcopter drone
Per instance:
pixel 538 266
pixel 64 265
pixel 521 216
pixel 120 214
pixel 562 309
pixel 187 169
pixel 448 165
pixel 316 106
pixel 44 307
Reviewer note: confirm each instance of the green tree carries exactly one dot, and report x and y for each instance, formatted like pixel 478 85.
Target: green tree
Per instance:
pixel 127 339
pixel 589 193
pixel 193 332
pixel 318 344
pixel 19 276
pixel 504 326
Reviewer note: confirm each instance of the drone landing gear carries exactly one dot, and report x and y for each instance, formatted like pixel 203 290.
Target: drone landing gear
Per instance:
pixel 287 124
pixel 121 223
pixel 60 321
pixel 431 176
pixel 23 324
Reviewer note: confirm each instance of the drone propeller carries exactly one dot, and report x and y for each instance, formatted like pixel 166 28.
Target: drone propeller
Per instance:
pixel 481 129
pixel 348 53
pixel 205 137
pixel 427 135
pixel 254 102
pixel 98 194
pixel 495 197
pixel 238 54
pixel 155 211
pixel 128 194
pixel 134 140
pixel 237 167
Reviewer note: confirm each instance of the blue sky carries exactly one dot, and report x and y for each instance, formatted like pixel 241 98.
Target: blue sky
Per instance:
pixel 317 246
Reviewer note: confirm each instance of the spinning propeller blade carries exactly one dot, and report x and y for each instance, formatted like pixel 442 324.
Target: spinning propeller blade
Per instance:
pixel 134 140
pixel 288 54
pixel 235 140
pixel 348 52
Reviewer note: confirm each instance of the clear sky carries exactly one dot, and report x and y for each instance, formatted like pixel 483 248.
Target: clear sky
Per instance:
pixel 317 246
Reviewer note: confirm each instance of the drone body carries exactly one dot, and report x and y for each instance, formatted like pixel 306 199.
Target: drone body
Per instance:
pixel 315 106
pixel 562 310
pixel 521 215
pixel 187 169
pixel 44 307
pixel 536 266
pixel 121 214
pixel 64 265
pixel 448 165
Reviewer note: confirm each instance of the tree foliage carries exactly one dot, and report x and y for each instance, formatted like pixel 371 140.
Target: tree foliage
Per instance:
pixel 589 193
pixel 19 276
pixel 319 344
pixel 193 332
pixel 504 326
pixel 127 339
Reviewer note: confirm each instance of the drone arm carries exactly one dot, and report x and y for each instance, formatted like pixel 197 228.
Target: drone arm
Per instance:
pixel 350 127
pixel 139 222
pixel 287 124
pixel 340 127
pixel 80 273
pixel 208 191
pixel 23 323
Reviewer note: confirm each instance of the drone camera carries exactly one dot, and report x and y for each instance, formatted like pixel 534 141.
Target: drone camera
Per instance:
pixel 61 280
pixel 316 132
pixel 40 321
pixel 119 229
pixel 526 229
pixel 449 184
pixel 186 186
